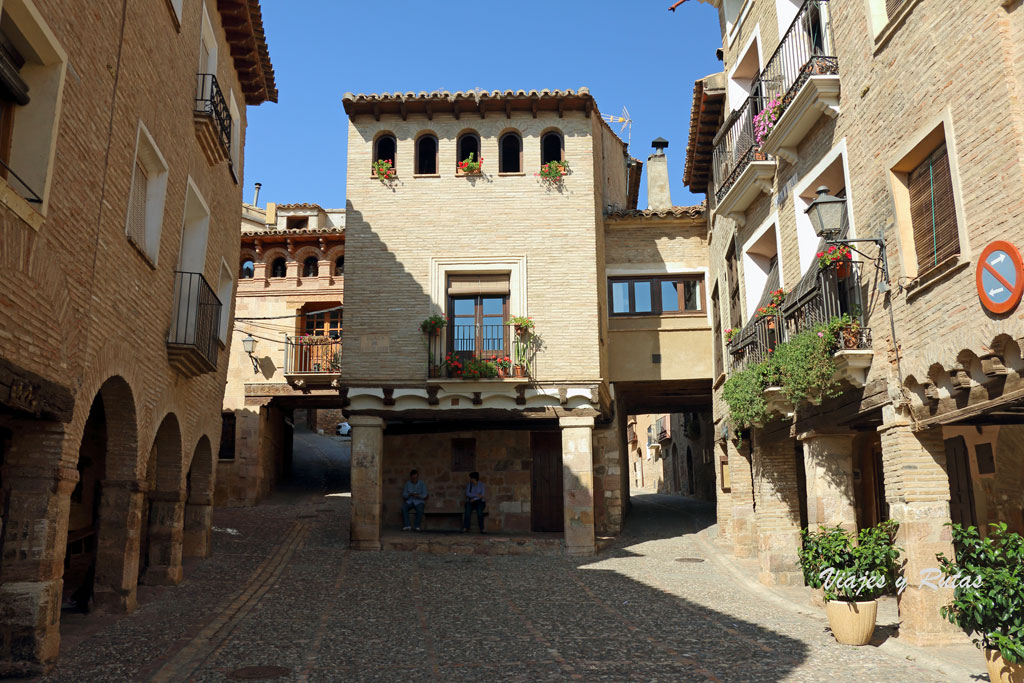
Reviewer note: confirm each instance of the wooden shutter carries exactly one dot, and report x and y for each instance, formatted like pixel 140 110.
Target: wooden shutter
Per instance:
pixel 468 285
pixel 735 318
pixel 933 212
pixel 716 318
pixel 137 206
pixel 891 6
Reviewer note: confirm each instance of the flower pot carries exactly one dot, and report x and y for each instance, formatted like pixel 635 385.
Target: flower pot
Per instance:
pixel 843 269
pixel 851 338
pixel 852 623
pixel 502 373
pixel 771 322
pixel 1001 671
pixel 518 371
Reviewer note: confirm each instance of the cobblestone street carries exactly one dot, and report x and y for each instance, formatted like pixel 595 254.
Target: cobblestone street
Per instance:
pixel 282 592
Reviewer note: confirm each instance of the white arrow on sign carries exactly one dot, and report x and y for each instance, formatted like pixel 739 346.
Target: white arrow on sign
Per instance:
pixel 999 259
pixel 993 292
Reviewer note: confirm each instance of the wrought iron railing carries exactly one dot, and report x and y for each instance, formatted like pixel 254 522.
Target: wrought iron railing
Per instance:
pixel 503 344
pixel 662 428
pixel 310 354
pixel 755 341
pixel 834 292
pixel 735 145
pixel 210 101
pixel 196 319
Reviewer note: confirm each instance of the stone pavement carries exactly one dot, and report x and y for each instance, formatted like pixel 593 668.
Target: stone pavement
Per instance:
pixel 283 597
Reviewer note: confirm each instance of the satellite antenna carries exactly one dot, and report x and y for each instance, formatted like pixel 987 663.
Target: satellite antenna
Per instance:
pixel 627 124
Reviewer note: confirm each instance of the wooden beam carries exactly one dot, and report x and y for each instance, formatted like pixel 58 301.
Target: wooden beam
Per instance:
pixel 970 411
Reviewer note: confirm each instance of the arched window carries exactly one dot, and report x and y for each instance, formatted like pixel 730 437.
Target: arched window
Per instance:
pixel 385 149
pixel 278 268
pixel 339 266
pixel 310 267
pixel 248 269
pixel 510 157
pixel 551 147
pixel 426 155
pixel 468 143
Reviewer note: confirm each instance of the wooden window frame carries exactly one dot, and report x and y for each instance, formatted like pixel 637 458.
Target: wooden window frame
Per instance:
pixel 478 316
pixel 321 322
pixel 949 248
pixel 501 153
pixel 561 145
pixel 656 307
pixel 416 156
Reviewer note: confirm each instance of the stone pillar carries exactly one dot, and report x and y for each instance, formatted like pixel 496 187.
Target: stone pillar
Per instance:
pixel 198 522
pixel 38 493
pixel 578 483
pixel 117 551
pixel 723 492
pixel 828 463
pixel 609 443
pixel 777 509
pixel 744 523
pixel 367 459
pixel 917 490
pixel 166 534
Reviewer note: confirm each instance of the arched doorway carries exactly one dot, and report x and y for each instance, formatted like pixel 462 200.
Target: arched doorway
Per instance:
pixel 199 501
pixel 689 472
pixel 102 552
pixel 166 506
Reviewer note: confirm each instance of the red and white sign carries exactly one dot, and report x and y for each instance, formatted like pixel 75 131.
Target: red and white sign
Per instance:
pixel 1000 277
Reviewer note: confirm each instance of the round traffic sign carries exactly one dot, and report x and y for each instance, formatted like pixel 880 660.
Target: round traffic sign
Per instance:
pixel 1000 277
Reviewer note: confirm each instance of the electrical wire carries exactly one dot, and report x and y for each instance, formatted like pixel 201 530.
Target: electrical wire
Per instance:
pixel 284 317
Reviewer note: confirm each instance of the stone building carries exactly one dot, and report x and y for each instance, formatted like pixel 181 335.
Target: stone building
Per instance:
pixel 289 309
pixel 121 152
pixel 672 453
pixel 921 141
pixel 615 296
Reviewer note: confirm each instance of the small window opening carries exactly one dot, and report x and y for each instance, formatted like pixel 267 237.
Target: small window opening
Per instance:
pixel 386 148
pixel 339 266
pixel 296 222
pixel 469 144
pixel 426 155
pixel 551 148
pixel 511 148
pixel 279 268
pixel 310 267
pixel 248 269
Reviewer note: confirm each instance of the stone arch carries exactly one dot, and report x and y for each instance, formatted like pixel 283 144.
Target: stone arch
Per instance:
pixel 552 145
pixel 303 252
pixel 334 252
pixel 199 485
pixel 166 478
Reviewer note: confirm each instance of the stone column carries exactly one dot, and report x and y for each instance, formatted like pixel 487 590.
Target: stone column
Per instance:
pixel 117 540
pixel 578 483
pixel 917 490
pixel 198 521
pixel 777 509
pixel 166 534
pixel 828 463
pixel 744 522
pixel 723 492
pixel 367 459
pixel 38 493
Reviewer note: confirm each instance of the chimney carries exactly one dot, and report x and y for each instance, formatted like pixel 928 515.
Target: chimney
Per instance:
pixel 256 195
pixel 659 194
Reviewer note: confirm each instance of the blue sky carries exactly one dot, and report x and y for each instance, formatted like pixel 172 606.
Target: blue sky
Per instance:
pixel 633 54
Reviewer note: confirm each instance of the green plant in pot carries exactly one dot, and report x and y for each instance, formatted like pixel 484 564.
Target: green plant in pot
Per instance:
pixel 988 599
pixel 852 574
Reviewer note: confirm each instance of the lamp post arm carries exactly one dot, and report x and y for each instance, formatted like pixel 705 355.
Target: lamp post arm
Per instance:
pixel 878 242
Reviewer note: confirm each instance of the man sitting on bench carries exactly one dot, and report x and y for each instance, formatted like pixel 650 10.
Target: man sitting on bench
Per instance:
pixel 474 501
pixel 414 496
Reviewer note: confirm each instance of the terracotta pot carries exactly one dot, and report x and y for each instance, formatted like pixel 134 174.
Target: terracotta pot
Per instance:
pixel 518 371
pixel 502 374
pixel 851 338
pixel 1001 671
pixel 852 623
pixel 843 269
pixel 771 322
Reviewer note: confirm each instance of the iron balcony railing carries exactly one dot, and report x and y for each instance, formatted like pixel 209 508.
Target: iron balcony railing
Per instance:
pixel 755 341
pixel 503 344
pixel 210 101
pixel 631 433
pixel 196 319
pixel 311 354
pixel 806 49
pixel 662 428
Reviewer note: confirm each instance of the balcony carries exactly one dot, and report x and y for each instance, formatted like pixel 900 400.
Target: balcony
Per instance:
pixel 195 325
pixel 803 77
pixel 663 429
pixel 212 119
pixel 312 359
pixel 742 170
pixel 631 433
pixel 482 352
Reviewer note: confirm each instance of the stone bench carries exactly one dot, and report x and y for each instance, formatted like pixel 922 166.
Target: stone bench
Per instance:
pixel 446 514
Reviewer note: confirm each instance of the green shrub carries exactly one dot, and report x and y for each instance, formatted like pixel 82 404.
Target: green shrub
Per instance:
pixel 806 366
pixel 854 572
pixel 988 600
pixel 744 392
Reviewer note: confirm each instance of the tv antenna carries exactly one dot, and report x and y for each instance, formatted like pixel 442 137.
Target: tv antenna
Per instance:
pixel 625 120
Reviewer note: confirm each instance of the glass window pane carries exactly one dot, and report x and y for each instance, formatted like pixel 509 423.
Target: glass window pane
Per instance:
pixel 691 295
pixel 620 297
pixel 464 307
pixel 669 296
pixel 642 296
pixel 494 306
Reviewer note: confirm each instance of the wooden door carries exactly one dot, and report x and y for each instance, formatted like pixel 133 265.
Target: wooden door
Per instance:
pixel 546 509
pixel 801 482
pixel 961 491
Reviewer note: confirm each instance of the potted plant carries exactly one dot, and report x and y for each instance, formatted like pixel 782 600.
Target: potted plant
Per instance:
pixel 845 330
pixel 504 366
pixel 453 366
pixel 433 325
pixel 766 119
pixel 470 167
pixel 384 170
pixel 522 324
pixel 477 368
pixel 852 575
pixel 553 171
pixel 841 256
pixel 988 601
pixel 729 334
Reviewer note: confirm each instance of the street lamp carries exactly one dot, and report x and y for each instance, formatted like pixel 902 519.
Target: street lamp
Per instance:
pixel 249 346
pixel 827 214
